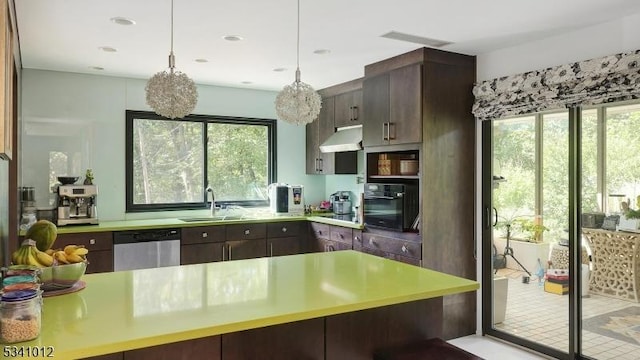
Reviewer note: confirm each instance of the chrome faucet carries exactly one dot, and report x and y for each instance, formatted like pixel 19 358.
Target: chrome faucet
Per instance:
pixel 213 200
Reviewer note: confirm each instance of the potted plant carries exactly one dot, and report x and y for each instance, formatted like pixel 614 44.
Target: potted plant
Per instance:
pixel 532 229
pixel 630 219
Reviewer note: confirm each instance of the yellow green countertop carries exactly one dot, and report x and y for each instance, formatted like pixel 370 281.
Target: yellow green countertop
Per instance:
pixel 126 310
pixel 121 225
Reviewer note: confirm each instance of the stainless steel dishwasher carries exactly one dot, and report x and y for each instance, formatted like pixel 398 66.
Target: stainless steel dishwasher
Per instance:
pixel 144 249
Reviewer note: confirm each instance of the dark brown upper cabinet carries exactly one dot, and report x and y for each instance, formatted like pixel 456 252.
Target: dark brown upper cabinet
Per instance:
pixel 393 107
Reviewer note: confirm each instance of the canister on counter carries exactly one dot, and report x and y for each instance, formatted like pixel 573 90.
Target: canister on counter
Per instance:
pixel 20 316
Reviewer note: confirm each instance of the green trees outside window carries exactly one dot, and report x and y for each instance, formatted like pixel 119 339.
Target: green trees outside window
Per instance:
pixel 531 153
pixel 170 162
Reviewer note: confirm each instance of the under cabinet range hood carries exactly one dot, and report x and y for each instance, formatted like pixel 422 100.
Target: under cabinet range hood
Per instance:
pixel 348 138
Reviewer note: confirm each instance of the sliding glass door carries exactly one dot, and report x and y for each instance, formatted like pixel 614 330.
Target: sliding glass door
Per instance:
pixel 560 283
pixel 610 312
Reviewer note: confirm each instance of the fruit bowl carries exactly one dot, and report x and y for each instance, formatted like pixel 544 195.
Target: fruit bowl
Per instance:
pixel 62 276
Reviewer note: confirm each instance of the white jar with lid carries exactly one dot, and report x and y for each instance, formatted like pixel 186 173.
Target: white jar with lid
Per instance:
pixel 20 316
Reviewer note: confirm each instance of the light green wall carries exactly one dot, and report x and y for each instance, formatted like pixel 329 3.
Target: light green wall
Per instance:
pixel 85 114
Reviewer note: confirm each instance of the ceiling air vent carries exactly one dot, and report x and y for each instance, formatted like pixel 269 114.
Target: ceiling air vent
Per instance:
pixel 415 39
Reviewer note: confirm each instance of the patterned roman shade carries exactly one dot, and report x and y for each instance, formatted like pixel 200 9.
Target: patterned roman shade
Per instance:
pixel 589 82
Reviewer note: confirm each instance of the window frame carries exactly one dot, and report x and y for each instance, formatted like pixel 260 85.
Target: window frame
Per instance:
pixel 131 115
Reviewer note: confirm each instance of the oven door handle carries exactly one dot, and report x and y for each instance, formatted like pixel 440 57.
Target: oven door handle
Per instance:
pixel 380 197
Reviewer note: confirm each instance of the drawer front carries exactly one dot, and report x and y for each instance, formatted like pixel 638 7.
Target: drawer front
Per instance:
pixel 341 234
pixel 380 253
pixel 92 241
pixel 246 231
pixel 335 246
pixel 320 231
pixel 392 245
pixel 286 229
pixel 203 234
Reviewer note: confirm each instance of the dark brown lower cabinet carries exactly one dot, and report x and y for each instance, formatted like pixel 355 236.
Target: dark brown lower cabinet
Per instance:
pixel 323 238
pixel 357 335
pixel 116 356
pixel 99 244
pixel 353 335
pixel 285 246
pixel 200 253
pixel 204 348
pixel 244 249
pixel 287 238
pixel 404 247
pixel 300 340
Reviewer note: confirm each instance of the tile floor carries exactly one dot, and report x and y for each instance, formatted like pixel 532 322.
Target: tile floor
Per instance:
pixel 543 317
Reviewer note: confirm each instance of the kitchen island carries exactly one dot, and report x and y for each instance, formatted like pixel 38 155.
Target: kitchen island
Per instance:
pixel 308 306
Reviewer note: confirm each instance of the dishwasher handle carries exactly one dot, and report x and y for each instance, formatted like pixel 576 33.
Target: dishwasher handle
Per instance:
pixel 136 236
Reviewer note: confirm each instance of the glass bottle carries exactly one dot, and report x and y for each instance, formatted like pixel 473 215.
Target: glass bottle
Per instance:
pixel 20 316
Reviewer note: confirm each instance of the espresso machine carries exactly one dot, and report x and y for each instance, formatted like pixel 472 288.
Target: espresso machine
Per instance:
pixel 77 204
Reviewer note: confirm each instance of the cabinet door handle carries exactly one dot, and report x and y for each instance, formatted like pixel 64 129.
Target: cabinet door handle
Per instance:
pixel 223 251
pixel 404 248
pixel 372 242
pixel 317 165
pixel 92 241
pixel 385 130
pixel 321 164
pixel 204 234
pixel 229 247
pixel 247 231
pixel 389 137
pixel 354 113
pixel 271 249
pixel 284 229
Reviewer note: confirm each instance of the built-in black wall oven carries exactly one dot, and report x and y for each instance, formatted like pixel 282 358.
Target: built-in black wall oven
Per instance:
pixel 391 206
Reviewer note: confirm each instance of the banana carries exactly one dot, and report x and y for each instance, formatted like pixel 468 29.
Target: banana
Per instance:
pixel 21 256
pixel 50 251
pixel 15 257
pixel 32 259
pixel 70 249
pixel 60 257
pixel 43 258
pixel 81 251
pixel 74 258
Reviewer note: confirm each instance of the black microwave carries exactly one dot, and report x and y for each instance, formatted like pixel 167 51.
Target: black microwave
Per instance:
pixel 390 206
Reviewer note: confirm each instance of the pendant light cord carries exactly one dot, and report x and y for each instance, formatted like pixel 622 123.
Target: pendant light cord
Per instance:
pixel 298 41
pixel 298 48
pixel 171 25
pixel 172 59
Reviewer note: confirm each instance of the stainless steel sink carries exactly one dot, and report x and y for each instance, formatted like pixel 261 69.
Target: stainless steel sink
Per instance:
pixel 214 218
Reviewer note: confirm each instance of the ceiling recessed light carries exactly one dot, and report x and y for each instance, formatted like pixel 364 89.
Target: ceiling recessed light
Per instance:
pixel 99 68
pixel 322 51
pixel 247 82
pixel 122 21
pixel 201 60
pixel 108 49
pixel 233 37
pixel 280 69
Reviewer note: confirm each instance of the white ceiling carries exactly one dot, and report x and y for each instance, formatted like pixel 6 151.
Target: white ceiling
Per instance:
pixel 65 35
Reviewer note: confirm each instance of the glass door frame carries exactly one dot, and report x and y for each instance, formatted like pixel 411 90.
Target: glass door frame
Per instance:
pixel 575 303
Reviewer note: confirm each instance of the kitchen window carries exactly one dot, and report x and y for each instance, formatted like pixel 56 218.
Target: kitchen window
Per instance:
pixel 169 163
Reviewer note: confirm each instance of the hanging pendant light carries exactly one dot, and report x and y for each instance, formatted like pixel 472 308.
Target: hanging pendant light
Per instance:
pixel 298 103
pixel 171 93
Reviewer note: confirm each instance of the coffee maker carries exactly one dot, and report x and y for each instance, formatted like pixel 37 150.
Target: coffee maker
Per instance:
pixel 77 204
